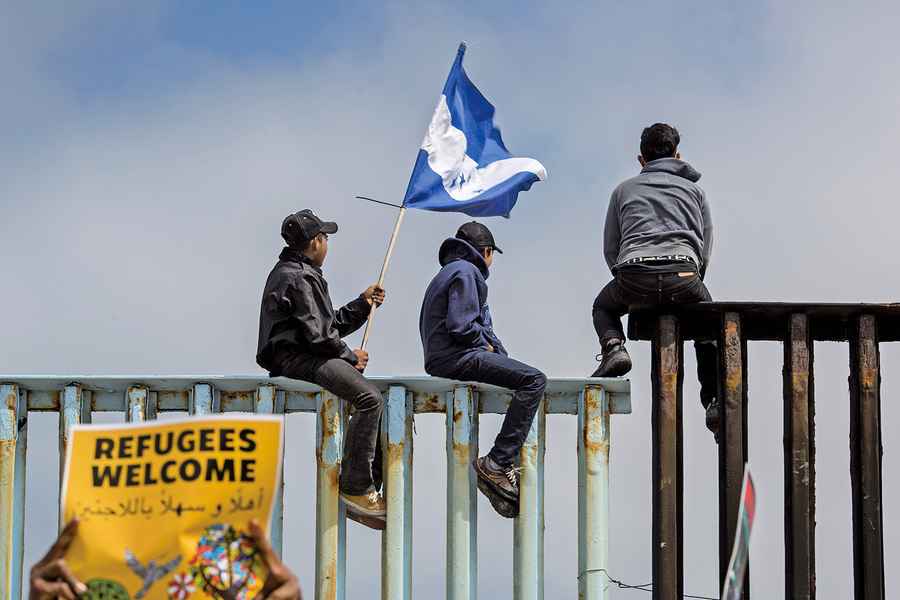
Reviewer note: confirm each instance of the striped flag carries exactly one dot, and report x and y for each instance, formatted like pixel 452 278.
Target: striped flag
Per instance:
pixel 737 566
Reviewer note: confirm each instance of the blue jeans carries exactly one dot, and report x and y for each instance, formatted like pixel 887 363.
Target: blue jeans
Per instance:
pixel 527 384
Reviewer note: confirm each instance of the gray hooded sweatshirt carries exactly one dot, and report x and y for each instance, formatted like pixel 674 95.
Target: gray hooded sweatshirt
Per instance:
pixel 660 212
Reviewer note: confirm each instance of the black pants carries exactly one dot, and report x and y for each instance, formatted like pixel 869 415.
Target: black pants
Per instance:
pixel 528 384
pixel 633 287
pixel 361 465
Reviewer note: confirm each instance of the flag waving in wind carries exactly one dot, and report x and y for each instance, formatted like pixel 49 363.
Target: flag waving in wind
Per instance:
pixel 463 165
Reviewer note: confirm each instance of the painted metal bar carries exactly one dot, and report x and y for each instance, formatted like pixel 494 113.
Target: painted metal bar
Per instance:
pixel 593 493
pixel 139 406
pixel 75 409
pixel 107 393
pixel 732 437
pixel 865 461
pixel 13 441
pixel 331 532
pixel 799 463
pixel 667 376
pixel 528 530
pixel 271 402
pixel 462 506
pixel 204 400
pixel 396 542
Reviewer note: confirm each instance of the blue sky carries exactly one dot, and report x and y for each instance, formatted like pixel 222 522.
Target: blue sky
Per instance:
pixel 149 152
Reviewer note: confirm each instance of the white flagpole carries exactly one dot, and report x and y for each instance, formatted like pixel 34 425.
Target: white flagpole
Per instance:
pixel 387 260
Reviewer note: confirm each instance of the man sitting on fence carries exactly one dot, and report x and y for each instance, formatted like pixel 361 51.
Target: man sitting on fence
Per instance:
pixel 300 337
pixel 459 343
pixel 657 243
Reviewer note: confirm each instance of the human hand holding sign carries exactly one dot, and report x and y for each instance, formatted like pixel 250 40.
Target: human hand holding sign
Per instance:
pixel 50 577
pixel 374 293
pixel 281 583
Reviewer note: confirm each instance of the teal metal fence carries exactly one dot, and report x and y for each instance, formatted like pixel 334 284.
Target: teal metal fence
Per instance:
pixel 143 398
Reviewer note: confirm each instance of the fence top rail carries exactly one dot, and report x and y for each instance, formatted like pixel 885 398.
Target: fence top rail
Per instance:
pixel 768 320
pixel 238 392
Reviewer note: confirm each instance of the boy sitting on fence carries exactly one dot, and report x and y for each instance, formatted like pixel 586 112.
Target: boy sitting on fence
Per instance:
pixel 459 343
pixel 300 337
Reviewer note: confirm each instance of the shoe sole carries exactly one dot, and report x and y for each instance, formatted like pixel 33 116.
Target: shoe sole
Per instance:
pixel 483 477
pixel 616 368
pixel 360 510
pixel 375 523
pixel 503 507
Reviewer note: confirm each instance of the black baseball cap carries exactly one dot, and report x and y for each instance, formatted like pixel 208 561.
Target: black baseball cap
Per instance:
pixel 478 235
pixel 303 226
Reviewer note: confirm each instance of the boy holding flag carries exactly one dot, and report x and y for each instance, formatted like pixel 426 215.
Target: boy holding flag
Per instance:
pixel 300 337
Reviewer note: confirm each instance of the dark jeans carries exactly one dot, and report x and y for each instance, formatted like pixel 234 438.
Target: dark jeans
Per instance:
pixel 528 384
pixel 361 465
pixel 638 287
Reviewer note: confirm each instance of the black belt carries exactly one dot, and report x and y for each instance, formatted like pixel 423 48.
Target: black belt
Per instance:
pixel 653 259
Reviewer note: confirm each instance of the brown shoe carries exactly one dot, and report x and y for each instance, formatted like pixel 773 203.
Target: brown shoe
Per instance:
pixel 370 504
pixel 504 481
pixel 376 523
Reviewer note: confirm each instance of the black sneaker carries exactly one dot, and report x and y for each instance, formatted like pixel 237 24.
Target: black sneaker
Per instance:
pixel 504 508
pixel 713 418
pixel 504 481
pixel 614 362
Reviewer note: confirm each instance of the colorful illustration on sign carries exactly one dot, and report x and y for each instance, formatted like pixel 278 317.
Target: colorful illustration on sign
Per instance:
pixel 149 574
pixel 181 586
pixel 227 564
pixel 105 589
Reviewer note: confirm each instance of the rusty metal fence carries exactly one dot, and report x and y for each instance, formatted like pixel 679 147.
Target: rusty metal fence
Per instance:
pixel 864 326
pixel 141 398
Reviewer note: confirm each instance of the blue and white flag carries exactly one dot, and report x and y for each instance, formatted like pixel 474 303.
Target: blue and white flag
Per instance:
pixel 463 165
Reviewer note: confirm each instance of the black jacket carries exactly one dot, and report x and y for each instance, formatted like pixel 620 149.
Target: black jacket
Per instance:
pixel 296 309
pixel 455 320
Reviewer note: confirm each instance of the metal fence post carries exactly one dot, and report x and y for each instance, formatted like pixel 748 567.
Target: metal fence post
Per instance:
pixel 799 462
pixel 204 400
pixel 331 532
pixel 269 401
pixel 732 437
pixel 667 376
pixel 138 407
pixel 528 531
pixel 593 493
pixel 13 440
pixel 396 542
pixel 75 409
pixel 865 460
pixel 462 507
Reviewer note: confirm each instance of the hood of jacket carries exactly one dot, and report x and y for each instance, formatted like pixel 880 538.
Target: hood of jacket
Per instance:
pixel 457 249
pixel 673 166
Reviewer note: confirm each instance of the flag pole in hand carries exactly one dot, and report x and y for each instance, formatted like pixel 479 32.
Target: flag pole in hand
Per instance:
pixel 384 266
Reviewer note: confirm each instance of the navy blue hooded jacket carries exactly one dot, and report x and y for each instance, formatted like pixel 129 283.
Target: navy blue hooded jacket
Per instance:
pixel 455 320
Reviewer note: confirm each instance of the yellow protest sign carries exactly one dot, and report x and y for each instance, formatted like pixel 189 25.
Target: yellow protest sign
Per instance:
pixel 164 506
